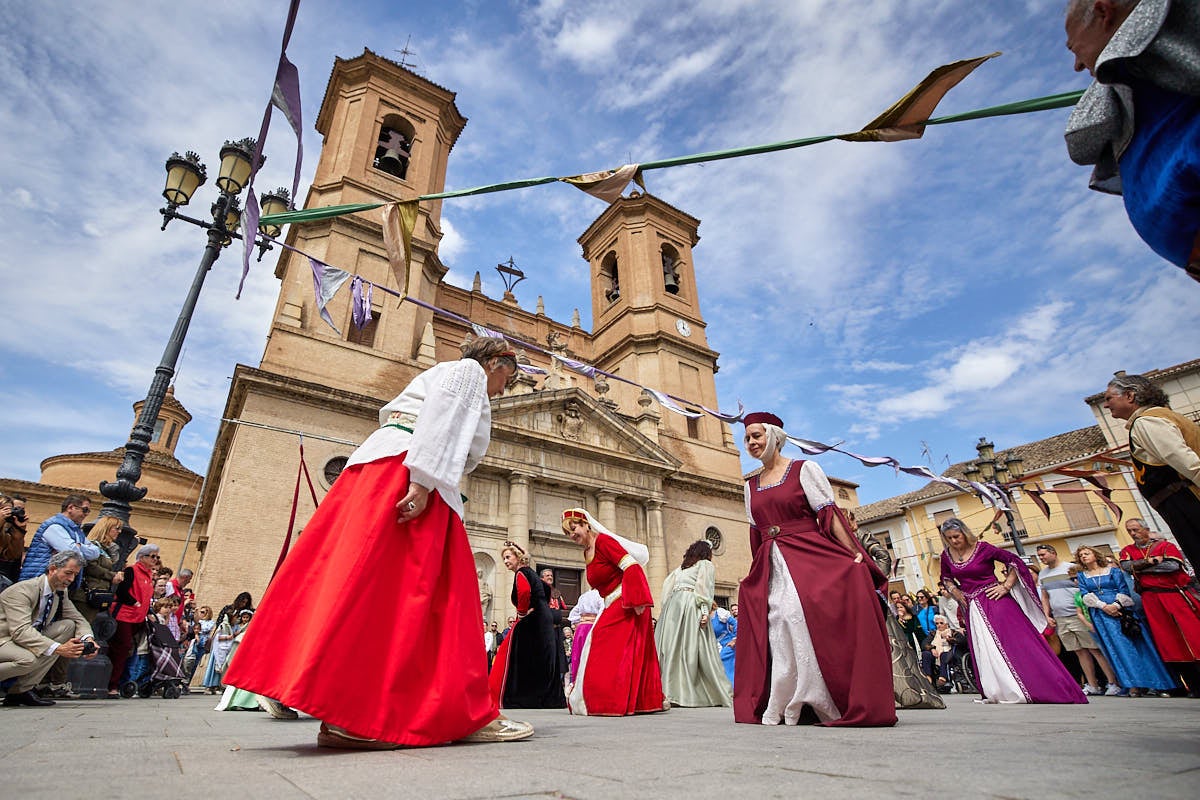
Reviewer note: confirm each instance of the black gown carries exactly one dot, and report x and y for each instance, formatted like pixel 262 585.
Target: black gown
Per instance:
pixel 529 655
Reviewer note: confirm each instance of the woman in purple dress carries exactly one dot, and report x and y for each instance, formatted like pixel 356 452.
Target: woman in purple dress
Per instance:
pixel 1013 663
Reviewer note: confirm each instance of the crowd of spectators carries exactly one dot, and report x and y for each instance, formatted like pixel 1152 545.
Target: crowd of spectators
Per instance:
pixel 62 586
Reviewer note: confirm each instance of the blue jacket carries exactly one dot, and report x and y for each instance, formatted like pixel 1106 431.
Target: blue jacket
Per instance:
pixel 37 559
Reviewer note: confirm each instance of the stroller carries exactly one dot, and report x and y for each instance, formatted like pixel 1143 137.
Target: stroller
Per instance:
pixel 158 670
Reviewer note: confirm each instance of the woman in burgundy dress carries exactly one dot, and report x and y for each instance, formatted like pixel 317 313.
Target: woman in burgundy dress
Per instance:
pixel 811 639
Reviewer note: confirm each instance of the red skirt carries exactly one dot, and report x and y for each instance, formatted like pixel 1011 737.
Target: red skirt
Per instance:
pixel 621 675
pixel 371 625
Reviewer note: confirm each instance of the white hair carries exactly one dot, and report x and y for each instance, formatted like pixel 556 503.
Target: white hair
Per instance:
pixel 1085 10
pixel 64 557
pixel 147 550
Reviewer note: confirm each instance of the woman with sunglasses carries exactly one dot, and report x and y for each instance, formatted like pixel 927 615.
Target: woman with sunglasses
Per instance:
pixel 132 605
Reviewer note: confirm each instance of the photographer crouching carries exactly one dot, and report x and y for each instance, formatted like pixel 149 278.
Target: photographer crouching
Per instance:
pixel 38 626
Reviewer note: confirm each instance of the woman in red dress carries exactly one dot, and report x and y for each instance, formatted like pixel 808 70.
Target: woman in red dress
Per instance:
pixel 372 623
pixel 618 671
pixel 811 636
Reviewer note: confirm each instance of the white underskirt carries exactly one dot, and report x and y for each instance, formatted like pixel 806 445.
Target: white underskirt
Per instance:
pixel 796 679
pixel 997 681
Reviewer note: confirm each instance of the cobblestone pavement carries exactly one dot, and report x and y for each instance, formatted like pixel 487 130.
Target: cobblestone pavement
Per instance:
pixel 1114 747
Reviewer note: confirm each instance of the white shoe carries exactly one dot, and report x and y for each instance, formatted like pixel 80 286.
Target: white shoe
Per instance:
pixel 1112 691
pixel 501 730
pixel 1090 690
pixel 276 709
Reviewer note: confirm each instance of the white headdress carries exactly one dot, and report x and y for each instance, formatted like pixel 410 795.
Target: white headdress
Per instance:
pixel 639 551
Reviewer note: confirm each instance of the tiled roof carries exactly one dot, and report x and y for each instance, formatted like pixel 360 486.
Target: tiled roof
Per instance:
pixel 1052 451
pixel 1157 375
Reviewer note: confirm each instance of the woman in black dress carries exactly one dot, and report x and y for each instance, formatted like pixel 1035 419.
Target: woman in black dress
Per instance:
pixel 525 673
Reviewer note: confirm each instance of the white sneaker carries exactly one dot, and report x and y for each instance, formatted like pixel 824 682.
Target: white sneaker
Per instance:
pixel 1090 690
pixel 1112 691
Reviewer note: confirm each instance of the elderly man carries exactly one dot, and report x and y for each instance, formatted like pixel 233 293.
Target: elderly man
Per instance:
pixel 61 533
pixel 38 626
pixel 1139 121
pixel 1165 448
pixel 1172 609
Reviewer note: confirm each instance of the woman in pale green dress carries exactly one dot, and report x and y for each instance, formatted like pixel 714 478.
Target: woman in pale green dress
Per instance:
pixel 688 655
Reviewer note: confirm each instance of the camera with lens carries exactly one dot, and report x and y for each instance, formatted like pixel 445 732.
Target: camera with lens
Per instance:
pixel 89 647
pixel 18 514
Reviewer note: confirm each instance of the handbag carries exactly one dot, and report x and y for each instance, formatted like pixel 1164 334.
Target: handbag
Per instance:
pixel 1130 625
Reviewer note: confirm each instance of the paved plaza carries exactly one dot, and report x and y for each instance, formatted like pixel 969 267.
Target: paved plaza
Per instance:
pixel 1114 747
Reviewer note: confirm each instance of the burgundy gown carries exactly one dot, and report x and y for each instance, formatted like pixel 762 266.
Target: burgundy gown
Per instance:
pixel 841 613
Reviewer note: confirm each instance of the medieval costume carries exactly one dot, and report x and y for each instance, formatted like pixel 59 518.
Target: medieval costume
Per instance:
pixel 525 672
pixel 724 626
pixel 1132 657
pixel 811 630
pixel 371 624
pixel 1165 448
pixel 1139 124
pixel 1013 663
pixel 618 668
pixel 1172 608
pixel 692 673
pixel 583 617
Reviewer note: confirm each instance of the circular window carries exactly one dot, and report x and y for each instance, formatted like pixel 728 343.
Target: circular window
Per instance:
pixel 714 537
pixel 334 467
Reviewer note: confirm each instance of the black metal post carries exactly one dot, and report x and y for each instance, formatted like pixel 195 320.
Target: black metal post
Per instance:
pixel 1012 528
pixel 121 493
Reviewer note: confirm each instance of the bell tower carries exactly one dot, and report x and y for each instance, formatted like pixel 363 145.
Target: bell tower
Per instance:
pixel 387 134
pixel 646 316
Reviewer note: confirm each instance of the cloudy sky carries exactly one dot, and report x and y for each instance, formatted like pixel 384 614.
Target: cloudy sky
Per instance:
pixel 906 298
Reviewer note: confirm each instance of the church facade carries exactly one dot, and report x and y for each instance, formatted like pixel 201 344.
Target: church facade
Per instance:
pixel 558 440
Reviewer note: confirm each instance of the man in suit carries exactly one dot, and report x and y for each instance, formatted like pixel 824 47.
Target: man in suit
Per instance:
pixel 38 625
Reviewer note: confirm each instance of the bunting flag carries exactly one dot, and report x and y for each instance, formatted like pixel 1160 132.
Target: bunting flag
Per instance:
pixel 665 401
pixel 730 418
pixel 326 281
pixel 579 366
pixel 609 184
pixel 399 221
pixel 907 118
pixel 285 94
pixel 360 303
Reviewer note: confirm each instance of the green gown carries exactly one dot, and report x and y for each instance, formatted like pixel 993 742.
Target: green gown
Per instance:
pixel 688 655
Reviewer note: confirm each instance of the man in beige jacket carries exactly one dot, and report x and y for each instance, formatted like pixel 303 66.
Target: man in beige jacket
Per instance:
pixel 38 625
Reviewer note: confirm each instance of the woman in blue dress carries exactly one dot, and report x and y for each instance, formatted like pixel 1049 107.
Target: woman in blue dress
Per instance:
pixel 724 626
pixel 1106 593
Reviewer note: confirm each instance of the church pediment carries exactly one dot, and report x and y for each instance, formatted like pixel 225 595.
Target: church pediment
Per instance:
pixel 572 421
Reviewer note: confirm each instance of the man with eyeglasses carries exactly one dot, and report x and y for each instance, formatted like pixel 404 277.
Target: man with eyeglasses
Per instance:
pixel 60 533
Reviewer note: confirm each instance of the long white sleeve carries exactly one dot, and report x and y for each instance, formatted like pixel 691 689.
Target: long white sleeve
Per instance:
pixel 816 485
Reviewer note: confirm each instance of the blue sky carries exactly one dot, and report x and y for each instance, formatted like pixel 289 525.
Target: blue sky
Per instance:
pixel 905 297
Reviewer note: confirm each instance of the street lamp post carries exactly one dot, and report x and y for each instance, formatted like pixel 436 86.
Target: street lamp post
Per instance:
pixel 1000 473
pixel 185 174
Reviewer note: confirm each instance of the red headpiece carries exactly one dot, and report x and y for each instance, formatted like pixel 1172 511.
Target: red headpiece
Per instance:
pixel 574 513
pixel 765 417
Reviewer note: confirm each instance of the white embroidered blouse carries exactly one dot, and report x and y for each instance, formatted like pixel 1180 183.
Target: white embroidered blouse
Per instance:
pixel 446 408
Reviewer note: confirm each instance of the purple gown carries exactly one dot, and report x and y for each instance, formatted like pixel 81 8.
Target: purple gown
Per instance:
pixel 1013 663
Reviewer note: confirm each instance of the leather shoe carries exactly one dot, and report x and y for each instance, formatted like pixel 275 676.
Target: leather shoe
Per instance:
pixel 25 699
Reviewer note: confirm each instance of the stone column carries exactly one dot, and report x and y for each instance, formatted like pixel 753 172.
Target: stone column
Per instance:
pixel 658 568
pixel 606 513
pixel 520 504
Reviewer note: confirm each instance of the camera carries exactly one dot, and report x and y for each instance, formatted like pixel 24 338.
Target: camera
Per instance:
pixel 89 647
pixel 18 514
